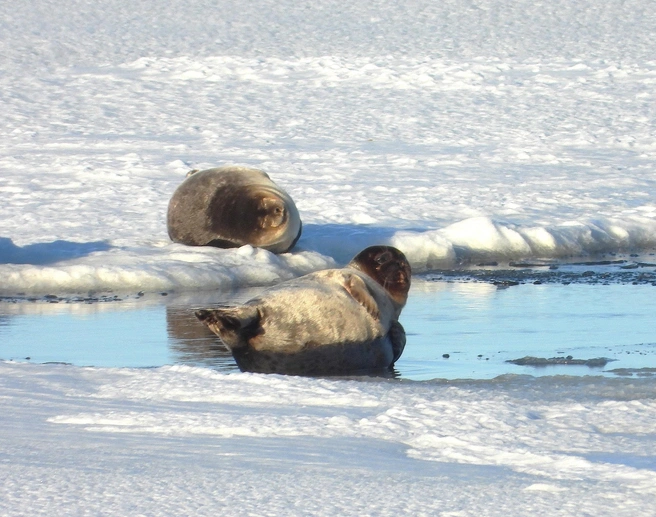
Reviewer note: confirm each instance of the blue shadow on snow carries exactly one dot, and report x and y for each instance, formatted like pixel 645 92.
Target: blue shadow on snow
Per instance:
pixel 344 241
pixel 44 253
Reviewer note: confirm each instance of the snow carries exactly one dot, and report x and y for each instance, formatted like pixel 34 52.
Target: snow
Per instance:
pixel 456 131
pixel 180 440
pixel 452 132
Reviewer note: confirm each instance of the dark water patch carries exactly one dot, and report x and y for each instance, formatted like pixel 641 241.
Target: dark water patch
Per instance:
pixel 637 372
pixel 74 298
pixel 596 362
pixel 597 263
pixel 533 273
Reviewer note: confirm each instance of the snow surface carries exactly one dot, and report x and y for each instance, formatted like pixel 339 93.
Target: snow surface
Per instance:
pixel 496 129
pixel 454 130
pixel 191 441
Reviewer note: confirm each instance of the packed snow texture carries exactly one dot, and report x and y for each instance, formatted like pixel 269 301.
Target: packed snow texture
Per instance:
pixel 494 129
pixel 191 441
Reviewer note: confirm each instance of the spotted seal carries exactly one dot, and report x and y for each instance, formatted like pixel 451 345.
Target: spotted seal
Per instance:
pixel 228 207
pixel 328 322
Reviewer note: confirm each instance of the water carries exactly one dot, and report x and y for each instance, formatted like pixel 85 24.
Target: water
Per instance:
pixel 481 327
pixel 455 329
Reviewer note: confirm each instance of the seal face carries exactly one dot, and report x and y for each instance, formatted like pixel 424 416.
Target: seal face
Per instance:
pixel 387 266
pixel 328 322
pixel 228 207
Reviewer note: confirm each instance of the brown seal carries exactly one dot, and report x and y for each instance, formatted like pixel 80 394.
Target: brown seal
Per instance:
pixel 328 322
pixel 228 207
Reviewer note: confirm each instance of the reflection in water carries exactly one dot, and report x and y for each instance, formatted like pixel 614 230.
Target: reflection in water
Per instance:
pixel 193 344
pixel 477 296
pixel 454 331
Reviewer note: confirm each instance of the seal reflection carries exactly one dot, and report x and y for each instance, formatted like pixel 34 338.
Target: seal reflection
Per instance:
pixel 195 345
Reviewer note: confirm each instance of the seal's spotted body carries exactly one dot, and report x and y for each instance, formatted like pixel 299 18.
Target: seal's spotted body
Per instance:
pixel 333 321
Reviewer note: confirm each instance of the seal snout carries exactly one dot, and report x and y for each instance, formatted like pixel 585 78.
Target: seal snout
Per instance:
pixel 398 280
pixel 400 276
pixel 396 271
pixel 272 213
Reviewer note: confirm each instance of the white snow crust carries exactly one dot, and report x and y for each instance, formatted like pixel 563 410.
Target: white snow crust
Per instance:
pixel 182 441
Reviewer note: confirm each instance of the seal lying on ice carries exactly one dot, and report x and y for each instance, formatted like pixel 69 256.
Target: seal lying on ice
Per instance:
pixel 328 322
pixel 228 207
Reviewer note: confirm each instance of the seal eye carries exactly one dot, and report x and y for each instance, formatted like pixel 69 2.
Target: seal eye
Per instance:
pixel 383 258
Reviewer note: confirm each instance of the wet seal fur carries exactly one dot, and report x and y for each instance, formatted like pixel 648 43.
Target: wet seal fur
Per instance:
pixel 329 322
pixel 228 207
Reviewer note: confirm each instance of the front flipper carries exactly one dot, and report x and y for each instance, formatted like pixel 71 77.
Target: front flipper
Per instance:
pixel 234 325
pixel 358 290
pixel 397 338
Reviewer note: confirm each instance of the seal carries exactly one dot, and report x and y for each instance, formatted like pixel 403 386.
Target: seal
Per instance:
pixel 228 207
pixel 328 322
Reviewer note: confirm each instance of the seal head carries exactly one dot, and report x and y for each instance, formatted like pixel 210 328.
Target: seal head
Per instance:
pixel 388 267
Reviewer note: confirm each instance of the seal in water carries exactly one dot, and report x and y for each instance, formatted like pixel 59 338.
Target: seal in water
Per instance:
pixel 228 207
pixel 328 322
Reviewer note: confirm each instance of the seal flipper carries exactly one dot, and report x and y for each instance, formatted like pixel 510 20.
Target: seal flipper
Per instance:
pixel 234 325
pixel 358 290
pixel 396 336
pixel 298 235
